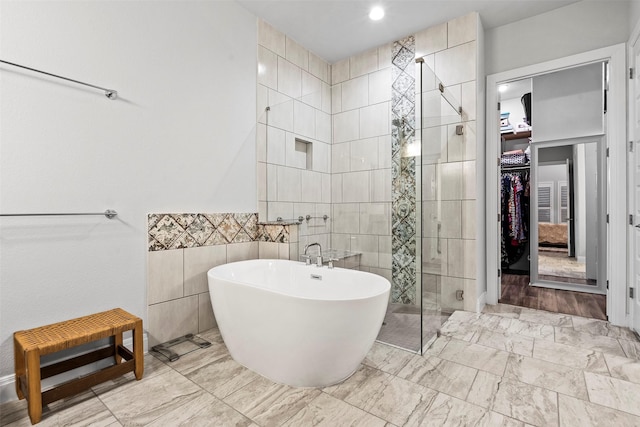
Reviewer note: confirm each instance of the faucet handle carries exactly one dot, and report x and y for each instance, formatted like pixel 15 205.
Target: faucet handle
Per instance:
pixel 319 261
pixel 331 260
pixel 306 258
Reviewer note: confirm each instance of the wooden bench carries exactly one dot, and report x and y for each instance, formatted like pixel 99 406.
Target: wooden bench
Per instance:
pixel 29 345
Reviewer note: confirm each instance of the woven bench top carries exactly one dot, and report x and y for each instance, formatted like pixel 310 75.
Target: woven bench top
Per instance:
pixel 70 333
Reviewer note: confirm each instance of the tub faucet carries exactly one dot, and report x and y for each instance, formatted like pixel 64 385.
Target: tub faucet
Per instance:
pixel 319 258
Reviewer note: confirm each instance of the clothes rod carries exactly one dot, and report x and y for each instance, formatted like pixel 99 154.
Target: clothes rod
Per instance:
pixel 109 213
pixel 109 93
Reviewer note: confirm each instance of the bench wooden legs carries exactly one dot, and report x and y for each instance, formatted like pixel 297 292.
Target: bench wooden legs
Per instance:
pixel 20 367
pixel 138 350
pixel 34 398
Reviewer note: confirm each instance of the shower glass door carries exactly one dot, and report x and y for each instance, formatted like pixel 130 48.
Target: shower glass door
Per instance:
pixel 425 206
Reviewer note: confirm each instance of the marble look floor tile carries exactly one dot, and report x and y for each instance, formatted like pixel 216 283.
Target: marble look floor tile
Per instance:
pixel 504 310
pixel 575 338
pixel 437 346
pixel 448 411
pixel 631 348
pixel 439 374
pixel 154 397
pixel 494 419
pixel 475 356
pixel 507 341
pixel 222 377
pixel 327 411
pixel 545 318
pixel 386 358
pixel 577 412
pixel 527 329
pixel 527 403
pixel 268 403
pixel 613 393
pixel 484 388
pixel 84 409
pixel 152 367
pixel 203 410
pixel 623 368
pixel 568 355
pixel 601 327
pixel 383 395
pixel 459 330
pixel 559 378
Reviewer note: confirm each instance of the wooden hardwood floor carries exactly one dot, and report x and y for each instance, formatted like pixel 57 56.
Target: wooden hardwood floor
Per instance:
pixel 516 291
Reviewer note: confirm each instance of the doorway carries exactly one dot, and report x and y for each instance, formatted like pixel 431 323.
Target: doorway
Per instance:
pixel 530 288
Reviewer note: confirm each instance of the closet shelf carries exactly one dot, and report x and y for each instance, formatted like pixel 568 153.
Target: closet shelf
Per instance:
pixel 519 135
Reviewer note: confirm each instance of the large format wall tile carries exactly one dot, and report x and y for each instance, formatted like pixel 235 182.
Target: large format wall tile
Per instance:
pixel 165 278
pixel 172 319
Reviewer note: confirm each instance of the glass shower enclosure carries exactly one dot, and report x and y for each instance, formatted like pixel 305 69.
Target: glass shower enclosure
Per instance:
pixel 425 209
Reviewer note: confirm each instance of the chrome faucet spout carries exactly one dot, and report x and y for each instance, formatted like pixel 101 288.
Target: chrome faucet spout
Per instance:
pixel 319 257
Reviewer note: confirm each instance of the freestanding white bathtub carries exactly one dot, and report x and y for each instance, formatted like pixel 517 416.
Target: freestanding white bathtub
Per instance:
pixel 297 324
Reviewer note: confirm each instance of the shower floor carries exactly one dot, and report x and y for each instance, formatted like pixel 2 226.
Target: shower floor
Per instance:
pixel 401 326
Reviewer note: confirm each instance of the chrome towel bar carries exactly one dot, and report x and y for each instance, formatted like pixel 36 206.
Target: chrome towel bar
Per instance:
pixel 109 213
pixel 109 93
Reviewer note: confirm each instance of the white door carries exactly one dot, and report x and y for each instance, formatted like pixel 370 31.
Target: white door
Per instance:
pixel 635 303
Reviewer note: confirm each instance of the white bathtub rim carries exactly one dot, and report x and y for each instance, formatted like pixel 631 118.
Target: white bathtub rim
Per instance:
pixel 386 289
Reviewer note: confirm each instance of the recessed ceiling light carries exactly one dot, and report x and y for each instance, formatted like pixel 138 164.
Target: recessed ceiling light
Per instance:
pixel 503 88
pixel 376 13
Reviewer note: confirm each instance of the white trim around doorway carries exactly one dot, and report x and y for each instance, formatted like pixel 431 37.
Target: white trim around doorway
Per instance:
pixel 616 171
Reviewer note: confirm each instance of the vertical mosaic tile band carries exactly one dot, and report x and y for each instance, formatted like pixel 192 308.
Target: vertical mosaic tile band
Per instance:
pixel 191 230
pixel 403 202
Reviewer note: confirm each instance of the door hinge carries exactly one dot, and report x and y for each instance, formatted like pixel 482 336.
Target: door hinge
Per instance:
pixel 607 151
pixel 499 272
pixel 498 106
pixel 607 218
pixel 499 218
pixel 631 293
pixel 607 285
pixel 498 161
pixel 631 146
pixel 630 219
pixel 630 73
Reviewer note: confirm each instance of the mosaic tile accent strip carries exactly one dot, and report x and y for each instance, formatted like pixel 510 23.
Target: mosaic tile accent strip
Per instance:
pixel 403 170
pixel 191 230
pixel 276 233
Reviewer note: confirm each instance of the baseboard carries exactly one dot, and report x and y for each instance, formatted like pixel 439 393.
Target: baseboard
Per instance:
pixel 481 302
pixel 8 387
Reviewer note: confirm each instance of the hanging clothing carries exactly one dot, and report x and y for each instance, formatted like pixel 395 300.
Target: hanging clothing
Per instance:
pixel 515 215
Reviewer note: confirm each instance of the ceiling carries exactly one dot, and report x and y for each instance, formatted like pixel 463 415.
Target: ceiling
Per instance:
pixel 336 30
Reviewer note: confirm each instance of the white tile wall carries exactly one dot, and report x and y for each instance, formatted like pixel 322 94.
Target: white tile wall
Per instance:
pixel 346 126
pixel 451 174
pixel 311 185
pixel 271 38
pixel 468 100
pixel 336 188
pixel 323 126
pixel 346 217
pixel 276 146
pixel 311 90
pixel 336 99
pixel 242 251
pixel 381 185
pixel 289 78
pixel 340 157
pixel 468 219
pixel 318 67
pixel 304 119
pixel 165 276
pixel 340 71
pixel 267 68
pixel 364 154
pixel 355 93
pixel 384 56
pixel 172 319
pixel 297 54
pixel 380 86
pixel 462 30
pixel 457 65
pixel 321 161
pixel 368 246
pixel 262 102
pixel 433 39
pixel 355 187
pixel 374 120
pixel 197 261
pixel 451 219
pixel 281 113
pixel 289 184
pixel 375 218
pixel 361 64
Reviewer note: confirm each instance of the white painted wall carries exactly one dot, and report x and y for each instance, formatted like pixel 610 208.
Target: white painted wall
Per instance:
pixel 576 28
pixel 181 138
pixel 634 14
